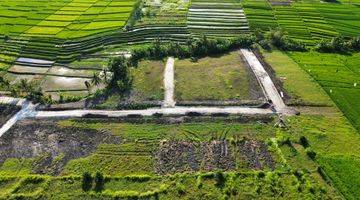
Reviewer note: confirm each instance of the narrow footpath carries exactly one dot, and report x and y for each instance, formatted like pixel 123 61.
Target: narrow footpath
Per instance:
pixel 169 101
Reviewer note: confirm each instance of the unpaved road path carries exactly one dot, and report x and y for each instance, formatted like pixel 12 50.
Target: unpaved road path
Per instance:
pixel 265 80
pixel 149 112
pixel 169 101
pixel 28 109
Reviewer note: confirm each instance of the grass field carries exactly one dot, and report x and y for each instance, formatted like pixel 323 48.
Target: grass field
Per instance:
pixel 148 80
pixel 339 76
pixel 302 88
pixel 223 77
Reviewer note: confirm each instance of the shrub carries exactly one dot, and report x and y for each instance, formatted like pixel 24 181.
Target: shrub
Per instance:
pixel 220 179
pixel 311 153
pixel 86 181
pixel 278 39
pixel 99 182
pixel 304 142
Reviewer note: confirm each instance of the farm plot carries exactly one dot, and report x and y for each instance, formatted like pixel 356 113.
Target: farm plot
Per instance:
pixel 291 22
pixel 20 15
pixel 315 22
pixel 259 14
pixel 224 77
pixel 216 18
pixel 302 88
pixel 134 156
pixel 344 18
pixel 63 19
pixel 339 76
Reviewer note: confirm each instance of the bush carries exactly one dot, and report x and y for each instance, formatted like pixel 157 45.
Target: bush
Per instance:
pixel 304 142
pixel 339 45
pixel 99 182
pixel 311 153
pixel 220 179
pixel 86 181
pixel 278 39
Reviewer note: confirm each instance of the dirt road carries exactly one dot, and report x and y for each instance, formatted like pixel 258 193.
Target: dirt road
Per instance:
pixel 169 101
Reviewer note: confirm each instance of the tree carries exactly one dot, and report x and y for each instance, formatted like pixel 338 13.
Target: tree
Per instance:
pixel 121 79
pixel 86 181
pixel 99 182
pixel 95 80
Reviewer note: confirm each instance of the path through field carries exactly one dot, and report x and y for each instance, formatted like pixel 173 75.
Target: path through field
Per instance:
pixel 169 83
pixel 265 80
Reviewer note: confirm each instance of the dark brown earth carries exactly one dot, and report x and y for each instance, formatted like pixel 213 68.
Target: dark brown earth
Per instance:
pixel 6 112
pixel 52 146
pixel 180 156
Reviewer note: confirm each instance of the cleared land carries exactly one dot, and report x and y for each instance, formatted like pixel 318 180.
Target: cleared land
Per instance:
pixel 148 80
pixel 224 77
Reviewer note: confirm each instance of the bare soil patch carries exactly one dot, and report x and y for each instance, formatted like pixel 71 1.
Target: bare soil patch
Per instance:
pixel 51 145
pixel 181 156
pixel 6 112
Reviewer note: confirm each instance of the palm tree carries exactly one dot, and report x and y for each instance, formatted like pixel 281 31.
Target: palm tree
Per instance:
pixel 95 80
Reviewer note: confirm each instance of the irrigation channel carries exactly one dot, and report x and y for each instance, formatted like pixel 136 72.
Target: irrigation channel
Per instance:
pixel 278 106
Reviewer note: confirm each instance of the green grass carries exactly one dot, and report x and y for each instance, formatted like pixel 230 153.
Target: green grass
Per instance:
pixel 337 74
pixel 336 143
pixel 148 80
pixel 344 171
pixel 302 88
pixel 212 78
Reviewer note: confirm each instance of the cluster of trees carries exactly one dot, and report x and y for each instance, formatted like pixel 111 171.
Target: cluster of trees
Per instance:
pixel 339 45
pixel 277 38
pixel 121 79
pixel 194 47
pixel 26 89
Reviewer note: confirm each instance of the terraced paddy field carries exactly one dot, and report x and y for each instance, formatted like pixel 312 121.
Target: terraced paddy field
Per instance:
pixel 224 19
pixel 339 76
pixel 223 77
pixel 305 21
pixel 63 19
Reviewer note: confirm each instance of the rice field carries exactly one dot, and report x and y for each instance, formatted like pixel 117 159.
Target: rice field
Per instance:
pixel 211 17
pixel 305 21
pixel 63 19
pixel 339 75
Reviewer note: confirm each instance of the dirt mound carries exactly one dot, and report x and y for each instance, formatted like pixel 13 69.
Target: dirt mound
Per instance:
pixel 6 112
pixel 52 146
pixel 180 156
